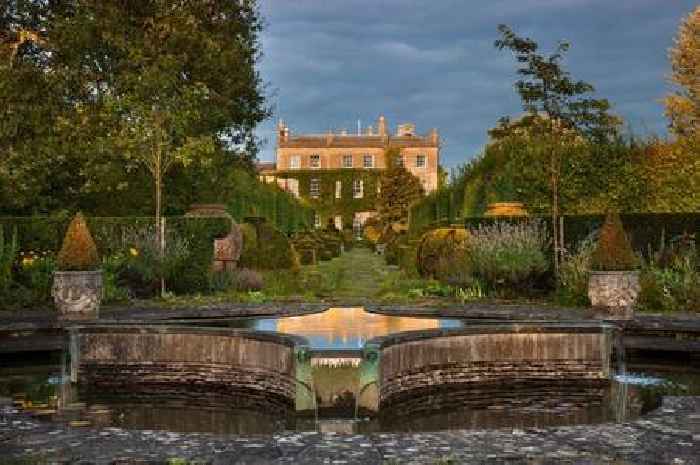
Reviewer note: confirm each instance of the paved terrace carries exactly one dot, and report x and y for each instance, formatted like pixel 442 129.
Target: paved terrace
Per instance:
pixel 669 435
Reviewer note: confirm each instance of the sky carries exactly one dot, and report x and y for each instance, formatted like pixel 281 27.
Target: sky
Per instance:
pixel 328 63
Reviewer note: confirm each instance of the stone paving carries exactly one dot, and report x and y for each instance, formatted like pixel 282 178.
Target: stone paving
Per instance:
pixel 669 435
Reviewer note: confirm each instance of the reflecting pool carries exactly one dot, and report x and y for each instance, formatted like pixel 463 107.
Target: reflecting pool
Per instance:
pixel 341 328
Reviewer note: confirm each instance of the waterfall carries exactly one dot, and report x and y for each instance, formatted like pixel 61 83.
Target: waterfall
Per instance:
pixel 622 394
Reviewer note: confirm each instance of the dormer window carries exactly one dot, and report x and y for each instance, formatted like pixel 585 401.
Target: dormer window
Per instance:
pixel 315 161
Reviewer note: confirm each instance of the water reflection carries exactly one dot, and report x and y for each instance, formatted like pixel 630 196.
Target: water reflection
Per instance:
pixel 348 328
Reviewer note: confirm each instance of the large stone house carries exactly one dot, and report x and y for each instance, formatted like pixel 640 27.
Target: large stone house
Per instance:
pixel 338 172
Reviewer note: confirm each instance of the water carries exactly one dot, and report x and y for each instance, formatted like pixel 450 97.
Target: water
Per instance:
pixel 40 384
pixel 341 328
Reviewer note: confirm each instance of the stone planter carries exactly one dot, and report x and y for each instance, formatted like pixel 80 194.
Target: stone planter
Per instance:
pixel 77 294
pixel 615 291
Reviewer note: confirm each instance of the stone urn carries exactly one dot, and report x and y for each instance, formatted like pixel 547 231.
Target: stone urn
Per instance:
pixel 77 294
pixel 616 291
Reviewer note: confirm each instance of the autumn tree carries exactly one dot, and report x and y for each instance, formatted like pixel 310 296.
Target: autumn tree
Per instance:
pixel 557 108
pixel 683 107
pixel 399 188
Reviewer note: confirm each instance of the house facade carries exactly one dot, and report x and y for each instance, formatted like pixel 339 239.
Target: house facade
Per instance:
pixel 338 172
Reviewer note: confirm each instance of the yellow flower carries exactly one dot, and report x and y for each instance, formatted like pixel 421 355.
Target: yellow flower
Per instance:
pixel 27 262
pixel 133 252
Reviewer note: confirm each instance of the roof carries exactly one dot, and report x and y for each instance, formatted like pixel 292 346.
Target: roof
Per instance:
pixel 339 141
pixel 265 166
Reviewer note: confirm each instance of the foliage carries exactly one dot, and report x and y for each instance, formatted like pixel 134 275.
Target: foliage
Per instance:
pixel 443 255
pixel 575 272
pixel 509 257
pixel 265 248
pixel 326 205
pixel 670 280
pixel 683 107
pixel 8 255
pixel 248 280
pixel 79 252
pixel 75 97
pixel 613 251
pixel 399 190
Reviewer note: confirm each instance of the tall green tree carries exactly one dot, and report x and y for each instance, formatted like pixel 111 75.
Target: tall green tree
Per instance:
pixel 399 188
pixel 558 108
pixel 110 78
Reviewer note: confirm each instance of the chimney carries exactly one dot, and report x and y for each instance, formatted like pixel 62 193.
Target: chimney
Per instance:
pixel 282 131
pixel 434 137
pixel 381 126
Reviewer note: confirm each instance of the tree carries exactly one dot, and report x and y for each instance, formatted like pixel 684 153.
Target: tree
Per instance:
pixel 683 107
pixel 556 108
pixel 399 188
pixel 98 80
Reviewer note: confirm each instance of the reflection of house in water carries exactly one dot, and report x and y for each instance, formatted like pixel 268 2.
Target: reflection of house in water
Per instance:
pixel 349 328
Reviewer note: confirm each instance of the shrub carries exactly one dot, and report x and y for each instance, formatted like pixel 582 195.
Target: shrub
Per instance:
pixel 265 248
pixel 509 257
pixel 442 255
pixel 8 254
pixel 79 252
pixel 670 280
pixel 574 273
pixel 35 273
pixel 248 280
pixel 613 251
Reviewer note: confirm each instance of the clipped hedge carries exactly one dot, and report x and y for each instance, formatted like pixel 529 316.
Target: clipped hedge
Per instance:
pixel 265 248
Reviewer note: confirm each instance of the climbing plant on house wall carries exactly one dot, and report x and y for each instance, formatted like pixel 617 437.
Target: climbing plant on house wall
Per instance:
pixel 327 204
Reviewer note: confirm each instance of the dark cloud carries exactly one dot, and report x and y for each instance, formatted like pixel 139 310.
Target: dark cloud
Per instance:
pixel 328 63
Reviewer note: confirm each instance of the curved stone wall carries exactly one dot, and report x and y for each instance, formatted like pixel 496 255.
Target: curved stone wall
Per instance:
pixel 417 362
pixel 251 368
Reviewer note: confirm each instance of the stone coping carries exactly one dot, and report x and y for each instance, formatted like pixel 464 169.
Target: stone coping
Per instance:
pixel 268 336
pixel 494 327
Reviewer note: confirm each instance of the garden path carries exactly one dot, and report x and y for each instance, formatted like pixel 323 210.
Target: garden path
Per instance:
pixel 360 273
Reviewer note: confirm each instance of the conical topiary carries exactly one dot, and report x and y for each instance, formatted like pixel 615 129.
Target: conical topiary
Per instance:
pixel 79 252
pixel 613 251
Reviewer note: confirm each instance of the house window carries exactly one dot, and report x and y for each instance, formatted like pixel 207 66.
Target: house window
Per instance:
pixel 315 188
pixel 338 189
pixel 338 222
pixel 420 161
pixel 347 161
pixel 399 160
pixel 368 161
pixel 295 162
pixel 315 161
pixel 317 220
pixel 357 226
pixel 358 188
pixel 293 187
